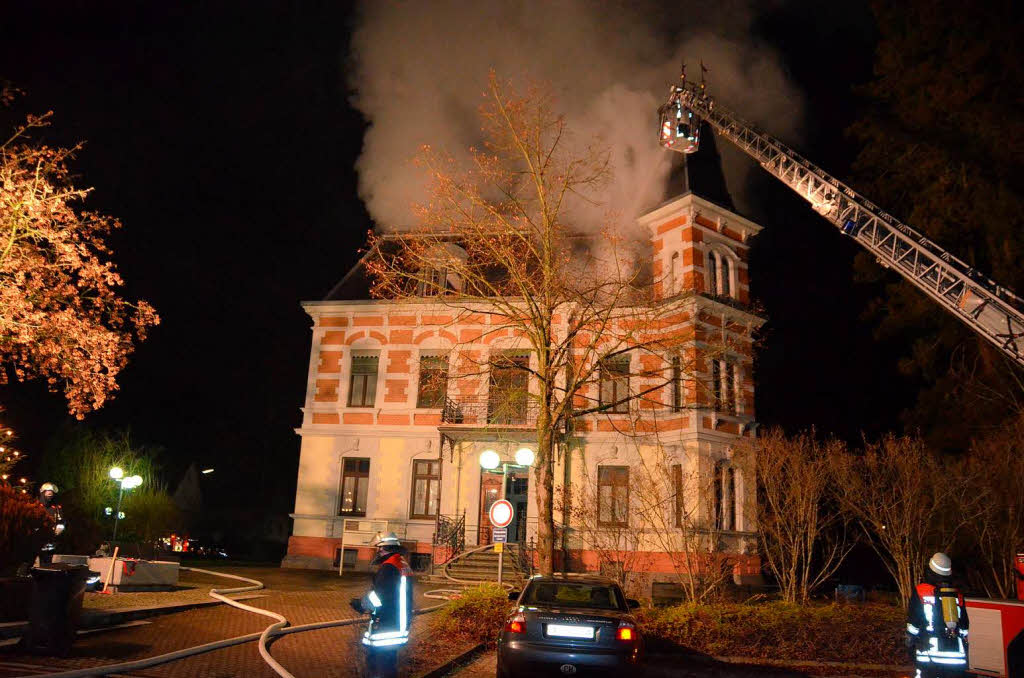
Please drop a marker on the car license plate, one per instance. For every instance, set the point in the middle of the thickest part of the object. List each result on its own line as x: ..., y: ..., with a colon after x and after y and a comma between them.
x: 566, y: 631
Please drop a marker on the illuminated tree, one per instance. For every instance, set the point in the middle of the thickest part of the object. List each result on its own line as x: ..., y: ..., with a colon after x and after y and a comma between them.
x: 61, y: 315
x: 502, y: 243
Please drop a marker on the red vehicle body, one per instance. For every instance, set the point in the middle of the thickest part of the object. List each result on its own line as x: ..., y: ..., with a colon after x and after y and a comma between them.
x: 997, y: 633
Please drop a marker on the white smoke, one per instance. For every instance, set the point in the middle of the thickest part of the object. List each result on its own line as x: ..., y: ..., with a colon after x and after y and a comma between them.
x: 420, y: 70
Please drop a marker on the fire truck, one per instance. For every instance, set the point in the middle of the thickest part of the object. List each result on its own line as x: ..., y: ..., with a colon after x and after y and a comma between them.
x: 997, y: 626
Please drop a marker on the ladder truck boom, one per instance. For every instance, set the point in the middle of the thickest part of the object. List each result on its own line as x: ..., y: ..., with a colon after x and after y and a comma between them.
x: 991, y: 310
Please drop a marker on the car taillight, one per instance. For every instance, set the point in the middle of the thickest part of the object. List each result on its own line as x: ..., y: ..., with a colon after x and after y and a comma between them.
x: 626, y: 632
x: 516, y: 624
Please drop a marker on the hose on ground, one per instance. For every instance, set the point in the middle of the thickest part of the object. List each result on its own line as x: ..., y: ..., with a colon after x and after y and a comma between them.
x: 278, y: 628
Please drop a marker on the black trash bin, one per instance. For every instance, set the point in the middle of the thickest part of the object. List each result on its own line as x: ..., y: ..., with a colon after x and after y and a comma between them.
x: 57, y: 592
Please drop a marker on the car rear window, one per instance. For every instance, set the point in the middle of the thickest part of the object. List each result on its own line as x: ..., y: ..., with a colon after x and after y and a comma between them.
x: 571, y: 594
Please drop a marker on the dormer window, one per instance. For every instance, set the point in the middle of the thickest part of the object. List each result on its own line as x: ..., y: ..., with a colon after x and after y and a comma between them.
x: 435, y: 282
x: 439, y: 274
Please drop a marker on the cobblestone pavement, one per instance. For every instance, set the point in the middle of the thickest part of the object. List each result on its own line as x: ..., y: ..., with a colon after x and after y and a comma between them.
x: 301, y: 596
x: 662, y: 667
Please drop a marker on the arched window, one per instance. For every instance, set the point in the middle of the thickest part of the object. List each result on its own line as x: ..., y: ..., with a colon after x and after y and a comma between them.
x: 721, y: 268
x: 724, y: 495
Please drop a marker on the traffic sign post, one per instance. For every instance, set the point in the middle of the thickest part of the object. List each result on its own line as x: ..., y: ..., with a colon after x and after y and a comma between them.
x: 501, y: 514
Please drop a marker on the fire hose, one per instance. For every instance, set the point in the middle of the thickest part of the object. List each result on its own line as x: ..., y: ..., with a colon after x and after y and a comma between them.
x: 278, y: 628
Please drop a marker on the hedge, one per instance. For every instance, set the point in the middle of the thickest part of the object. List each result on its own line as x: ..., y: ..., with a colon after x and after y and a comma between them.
x: 867, y: 634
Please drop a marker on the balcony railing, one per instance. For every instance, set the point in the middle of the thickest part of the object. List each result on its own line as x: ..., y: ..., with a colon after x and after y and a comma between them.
x: 499, y: 412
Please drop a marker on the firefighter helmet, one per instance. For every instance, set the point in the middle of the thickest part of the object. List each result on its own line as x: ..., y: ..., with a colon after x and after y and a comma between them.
x: 389, y: 539
x: 48, y: 486
x: 941, y: 565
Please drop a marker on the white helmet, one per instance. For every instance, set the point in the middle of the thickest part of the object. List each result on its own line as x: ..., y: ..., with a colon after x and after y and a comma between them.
x: 48, y: 486
x: 941, y: 565
x: 389, y: 539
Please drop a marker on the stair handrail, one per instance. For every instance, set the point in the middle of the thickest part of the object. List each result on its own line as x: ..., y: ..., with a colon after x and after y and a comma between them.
x: 462, y: 555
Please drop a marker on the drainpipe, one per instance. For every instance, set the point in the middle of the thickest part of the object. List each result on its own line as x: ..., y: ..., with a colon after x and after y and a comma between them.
x: 566, y: 495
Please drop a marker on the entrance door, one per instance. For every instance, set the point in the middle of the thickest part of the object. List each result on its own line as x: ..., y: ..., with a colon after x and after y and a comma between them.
x: 490, y: 492
x: 517, y: 486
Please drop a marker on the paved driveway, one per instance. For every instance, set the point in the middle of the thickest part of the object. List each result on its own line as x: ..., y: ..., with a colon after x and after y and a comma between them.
x: 301, y: 596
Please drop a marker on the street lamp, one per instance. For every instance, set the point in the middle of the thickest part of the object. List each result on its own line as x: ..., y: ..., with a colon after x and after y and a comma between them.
x: 524, y: 456
x: 129, y: 483
x: 489, y: 460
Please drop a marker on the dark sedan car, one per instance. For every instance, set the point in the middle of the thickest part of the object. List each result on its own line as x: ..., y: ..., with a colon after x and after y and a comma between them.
x: 567, y: 626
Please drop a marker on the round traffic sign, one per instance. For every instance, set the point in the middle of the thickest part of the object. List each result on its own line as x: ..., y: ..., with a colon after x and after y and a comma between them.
x: 501, y: 513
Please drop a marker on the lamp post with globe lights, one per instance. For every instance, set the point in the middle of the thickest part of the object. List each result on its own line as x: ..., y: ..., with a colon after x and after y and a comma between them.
x: 490, y: 460
x: 123, y: 483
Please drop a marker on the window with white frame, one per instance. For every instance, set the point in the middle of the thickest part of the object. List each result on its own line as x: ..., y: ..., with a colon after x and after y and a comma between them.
x: 355, y: 483
x: 362, y: 384
x: 613, y: 496
x: 614, y: 373
x: 426, y: 488
x: 433, y: 381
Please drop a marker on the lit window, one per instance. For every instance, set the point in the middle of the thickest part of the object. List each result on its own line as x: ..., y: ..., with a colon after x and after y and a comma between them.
x: 613, y: 496
x: 355, y: 481
x: 362, y: 387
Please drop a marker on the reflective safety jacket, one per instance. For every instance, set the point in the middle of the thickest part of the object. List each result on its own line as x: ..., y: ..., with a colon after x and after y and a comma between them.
x: 389, y: 603
x: 937, y: 620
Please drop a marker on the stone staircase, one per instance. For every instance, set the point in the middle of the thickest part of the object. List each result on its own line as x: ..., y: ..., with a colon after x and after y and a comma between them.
x: 482, y: 566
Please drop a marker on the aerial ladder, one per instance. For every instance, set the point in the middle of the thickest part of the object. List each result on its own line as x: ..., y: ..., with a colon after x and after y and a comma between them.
x: 991, y: 310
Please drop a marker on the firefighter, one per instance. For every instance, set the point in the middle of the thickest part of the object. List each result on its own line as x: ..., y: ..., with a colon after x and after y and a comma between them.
x: 47, y: 494
x: 389, y: 603
x: 937, y: 623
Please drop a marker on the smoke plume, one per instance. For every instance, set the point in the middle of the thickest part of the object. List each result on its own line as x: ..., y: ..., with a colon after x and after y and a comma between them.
x: 419, y: 70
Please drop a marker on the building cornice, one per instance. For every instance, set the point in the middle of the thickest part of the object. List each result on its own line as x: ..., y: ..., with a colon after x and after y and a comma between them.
x: 694, y: 204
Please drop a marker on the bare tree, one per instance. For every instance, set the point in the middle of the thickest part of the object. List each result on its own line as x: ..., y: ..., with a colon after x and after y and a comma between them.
x: 899, y: 492
x: 499, y: 248
x: 803, y: 538
x: 617, y: 544
x: 994, y: 470
x: 676, y: 500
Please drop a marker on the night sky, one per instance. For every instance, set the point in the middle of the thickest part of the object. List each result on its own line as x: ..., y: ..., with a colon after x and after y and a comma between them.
x: 221, y: 135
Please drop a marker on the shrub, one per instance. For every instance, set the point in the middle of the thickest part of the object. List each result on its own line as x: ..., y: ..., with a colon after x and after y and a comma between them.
x: 22, y: 522
x: 867, y: 634
x: 477, y: 614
